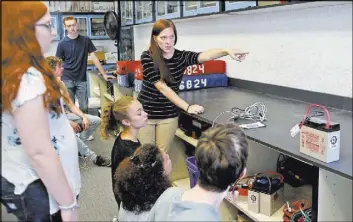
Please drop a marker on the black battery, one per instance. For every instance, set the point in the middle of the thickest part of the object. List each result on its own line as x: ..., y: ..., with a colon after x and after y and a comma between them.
x: 110, y: 88
x: 192, y: 125
x: 319, y: 124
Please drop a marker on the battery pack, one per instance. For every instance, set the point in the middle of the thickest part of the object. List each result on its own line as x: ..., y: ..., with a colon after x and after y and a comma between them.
x: 320, y: 139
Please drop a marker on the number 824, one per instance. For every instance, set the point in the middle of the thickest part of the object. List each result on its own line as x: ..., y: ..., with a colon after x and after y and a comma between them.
x: 193, y: 84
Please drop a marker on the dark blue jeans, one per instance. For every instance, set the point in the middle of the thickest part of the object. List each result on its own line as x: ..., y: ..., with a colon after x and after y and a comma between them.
x: 78, y: 89
x: 32, y: 205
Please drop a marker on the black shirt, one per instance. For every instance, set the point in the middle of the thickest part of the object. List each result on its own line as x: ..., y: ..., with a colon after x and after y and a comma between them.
x: 74, y: 53
x: 154, y: 103
x: 121, y: 150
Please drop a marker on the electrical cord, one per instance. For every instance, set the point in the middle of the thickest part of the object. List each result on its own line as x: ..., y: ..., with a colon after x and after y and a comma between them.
x: 255, y: 112
x: 291, y: 211
x: 110, y: 85
x: 219, y: 116
x: 315, y: 114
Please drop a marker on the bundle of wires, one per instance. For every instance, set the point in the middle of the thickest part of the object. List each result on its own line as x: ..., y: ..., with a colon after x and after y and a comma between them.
x: 295, y: 211
x: 256, y: 112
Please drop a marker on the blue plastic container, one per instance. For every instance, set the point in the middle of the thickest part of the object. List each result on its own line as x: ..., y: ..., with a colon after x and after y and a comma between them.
x: 137, y: 85
x: 192, y: 170
x: 123, y: 80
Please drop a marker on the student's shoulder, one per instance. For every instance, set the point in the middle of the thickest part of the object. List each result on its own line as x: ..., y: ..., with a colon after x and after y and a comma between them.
x: 146, y: 55
x: 171, y: 192
x: 62, y: 42
x: 31, y: 85
x: 86, y: 37
x: 117, y: 140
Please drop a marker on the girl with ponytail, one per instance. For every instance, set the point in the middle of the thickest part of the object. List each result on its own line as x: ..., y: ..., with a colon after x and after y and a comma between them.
x: 122, y: 119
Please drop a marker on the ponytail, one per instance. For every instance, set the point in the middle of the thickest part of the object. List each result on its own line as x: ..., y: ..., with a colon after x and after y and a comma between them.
x: 113, y: 115
x: 109, y: 125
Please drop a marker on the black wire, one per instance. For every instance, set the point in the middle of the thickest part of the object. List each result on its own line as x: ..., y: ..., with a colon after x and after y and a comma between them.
x: 315, y: 114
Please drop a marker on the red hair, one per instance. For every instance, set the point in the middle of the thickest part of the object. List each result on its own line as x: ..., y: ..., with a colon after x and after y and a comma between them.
x: 20, y: 50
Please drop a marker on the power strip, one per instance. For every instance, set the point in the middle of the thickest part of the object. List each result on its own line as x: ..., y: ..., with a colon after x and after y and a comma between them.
x: 252, y: 125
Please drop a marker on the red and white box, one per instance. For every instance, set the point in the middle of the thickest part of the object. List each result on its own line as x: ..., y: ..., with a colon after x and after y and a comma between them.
x: 320, y: 138
x: 209, y: 67
x: 125, y: 67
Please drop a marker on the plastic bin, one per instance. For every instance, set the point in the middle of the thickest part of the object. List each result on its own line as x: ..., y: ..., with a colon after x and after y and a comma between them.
x: 137, y: 85
x: 123, y: 80
x: 192, y: 170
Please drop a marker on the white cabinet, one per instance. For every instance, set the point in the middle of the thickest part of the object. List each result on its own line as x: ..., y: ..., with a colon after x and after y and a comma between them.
x: 143, y: 11
x: 96, y: 27
x: 126, y: 46
x: 167, y: 9
x: 191, y: 8
x: 127, y: 12
x: 82, y: 24
x: 232, y: 5
x: 54, y: 21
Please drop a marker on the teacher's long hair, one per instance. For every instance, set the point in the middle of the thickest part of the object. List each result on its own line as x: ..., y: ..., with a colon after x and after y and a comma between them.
x: 156, y: 52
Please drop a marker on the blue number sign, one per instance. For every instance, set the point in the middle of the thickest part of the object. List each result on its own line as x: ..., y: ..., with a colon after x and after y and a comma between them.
x: 203, y: 81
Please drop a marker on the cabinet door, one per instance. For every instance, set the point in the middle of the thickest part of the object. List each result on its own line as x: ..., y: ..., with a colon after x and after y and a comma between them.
x: 200, y: 7
x: 143, y: 11
x: 190, y: 8
x: 167, y: 9
x: 82, y: 24
x: 54, y: 22
x: 102, y: 6
x: 96, y: 27
x: 231, y: 5
x: 126, y: 46
x: 127, y: 10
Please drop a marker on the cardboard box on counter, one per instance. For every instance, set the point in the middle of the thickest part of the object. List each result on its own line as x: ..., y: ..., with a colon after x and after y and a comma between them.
x: 265, y: 203
x: 100, y: 56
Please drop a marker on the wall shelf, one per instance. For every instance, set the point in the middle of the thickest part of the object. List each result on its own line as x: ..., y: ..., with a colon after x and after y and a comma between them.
x: 243, y: 206
x: 179, y: 133
x: 256, y: 9
x: 106, y: 95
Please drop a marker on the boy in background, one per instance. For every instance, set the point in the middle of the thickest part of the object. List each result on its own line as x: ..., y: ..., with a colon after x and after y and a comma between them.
x: 84, y: 124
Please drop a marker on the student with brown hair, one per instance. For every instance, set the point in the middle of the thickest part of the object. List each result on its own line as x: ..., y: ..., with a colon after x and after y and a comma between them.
x: 123, y: 118
x: 163, y: 68
x: 83, y: 124
x: 74, y: 50
x: 40, y: 176
x: 221, y: 157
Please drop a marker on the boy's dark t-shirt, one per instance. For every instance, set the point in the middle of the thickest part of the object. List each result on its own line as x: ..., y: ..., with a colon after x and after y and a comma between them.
x: 121, y: 150
x: 74, y: 53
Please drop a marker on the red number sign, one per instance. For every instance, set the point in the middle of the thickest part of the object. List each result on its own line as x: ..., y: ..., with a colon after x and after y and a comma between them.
x: 209, y: 67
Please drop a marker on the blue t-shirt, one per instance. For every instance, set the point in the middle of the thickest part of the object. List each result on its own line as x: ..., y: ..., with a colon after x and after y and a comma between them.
x: 74, y: 53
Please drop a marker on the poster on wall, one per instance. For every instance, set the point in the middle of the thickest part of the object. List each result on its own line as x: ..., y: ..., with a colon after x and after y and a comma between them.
x: 126, y: 47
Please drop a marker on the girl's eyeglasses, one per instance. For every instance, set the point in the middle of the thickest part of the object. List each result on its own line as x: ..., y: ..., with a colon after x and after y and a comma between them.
x: 48, y: 26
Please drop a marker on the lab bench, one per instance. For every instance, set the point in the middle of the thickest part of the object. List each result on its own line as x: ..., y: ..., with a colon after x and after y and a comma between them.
x: 333, y: 191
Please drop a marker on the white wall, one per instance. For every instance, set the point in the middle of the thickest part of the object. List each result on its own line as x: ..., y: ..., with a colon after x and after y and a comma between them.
x: 304, y: 48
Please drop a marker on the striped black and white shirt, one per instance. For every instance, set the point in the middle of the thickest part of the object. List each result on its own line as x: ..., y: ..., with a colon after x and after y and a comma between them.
x: 155, y: 104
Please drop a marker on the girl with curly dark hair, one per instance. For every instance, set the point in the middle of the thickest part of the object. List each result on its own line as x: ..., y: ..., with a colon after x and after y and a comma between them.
x: 123, y: 118
x: 140, y: 180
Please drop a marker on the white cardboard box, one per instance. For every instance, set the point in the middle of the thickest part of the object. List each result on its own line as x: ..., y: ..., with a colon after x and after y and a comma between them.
x: 320, y: 144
